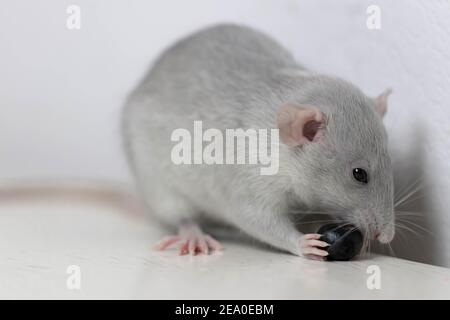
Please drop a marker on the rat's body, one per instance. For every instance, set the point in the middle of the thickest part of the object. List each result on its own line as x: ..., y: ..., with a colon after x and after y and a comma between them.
x: 234, y: 77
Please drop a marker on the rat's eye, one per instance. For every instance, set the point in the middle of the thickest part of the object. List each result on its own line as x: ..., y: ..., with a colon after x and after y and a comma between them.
x: 360, y: 175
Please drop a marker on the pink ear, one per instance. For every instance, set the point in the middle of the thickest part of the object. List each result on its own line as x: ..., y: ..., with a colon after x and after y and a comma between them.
x: 381, y: 102
x: 299, y: 124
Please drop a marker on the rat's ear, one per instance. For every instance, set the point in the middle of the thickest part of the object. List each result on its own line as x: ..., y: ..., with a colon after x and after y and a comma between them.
x: 299, y: 124
x: 381, y: 102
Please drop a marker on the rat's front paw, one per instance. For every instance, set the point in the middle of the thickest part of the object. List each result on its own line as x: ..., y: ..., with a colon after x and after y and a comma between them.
x: 311, y: 247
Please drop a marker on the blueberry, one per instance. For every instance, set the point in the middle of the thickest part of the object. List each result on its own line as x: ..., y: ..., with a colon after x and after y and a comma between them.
x: 345, y: 241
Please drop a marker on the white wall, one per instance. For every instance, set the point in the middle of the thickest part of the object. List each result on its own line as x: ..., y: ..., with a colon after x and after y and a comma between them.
x: 61, y: 91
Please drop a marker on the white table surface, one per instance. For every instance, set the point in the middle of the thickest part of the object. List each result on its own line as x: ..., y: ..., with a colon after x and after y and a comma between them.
x: 40, y: 238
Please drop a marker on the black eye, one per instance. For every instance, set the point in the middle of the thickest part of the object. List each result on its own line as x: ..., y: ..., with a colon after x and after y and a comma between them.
x: 360, y: 175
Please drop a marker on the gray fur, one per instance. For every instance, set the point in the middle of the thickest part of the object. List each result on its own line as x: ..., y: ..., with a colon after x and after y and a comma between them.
x: 235, y: 77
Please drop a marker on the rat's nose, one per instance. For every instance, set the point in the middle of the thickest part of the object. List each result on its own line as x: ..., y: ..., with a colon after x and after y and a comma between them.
x: 387, y: 234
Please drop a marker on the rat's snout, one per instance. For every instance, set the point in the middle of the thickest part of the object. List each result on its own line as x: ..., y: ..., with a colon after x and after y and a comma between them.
x: 377, y: 228
x: 387, y: 233
x: 373, y: 224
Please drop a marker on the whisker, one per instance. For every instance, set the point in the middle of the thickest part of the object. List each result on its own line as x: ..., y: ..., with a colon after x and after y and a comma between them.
x: 411, y: 186
x: 402, y: 237
x: 418, y: 226
x: 408, y: 213
x: 365, y: 250
x: 407, y: 196
x: 411, y: 199
x: 410, y: 230
x: 391, y: 250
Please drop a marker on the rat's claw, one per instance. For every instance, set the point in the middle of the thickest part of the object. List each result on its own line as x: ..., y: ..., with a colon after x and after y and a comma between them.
x: 191, y: 240
x: 192, y: 246
x: 310, y: 247
x: 315, y: 251
x: 318, y: 243
x: 201, y: 243
x: 203, y: 246
x: 312, y: 236
x: 183, y: 249
x: 166, y: 242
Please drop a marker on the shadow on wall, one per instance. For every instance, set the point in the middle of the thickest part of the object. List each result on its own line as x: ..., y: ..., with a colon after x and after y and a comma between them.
x: 415, y: 214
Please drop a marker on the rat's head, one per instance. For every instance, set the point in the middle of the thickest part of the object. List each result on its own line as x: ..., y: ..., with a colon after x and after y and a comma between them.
x: 338, y: 151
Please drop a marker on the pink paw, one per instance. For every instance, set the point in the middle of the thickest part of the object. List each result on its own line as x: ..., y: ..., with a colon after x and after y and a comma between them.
x: 190, y: 240
x: 311, y: 247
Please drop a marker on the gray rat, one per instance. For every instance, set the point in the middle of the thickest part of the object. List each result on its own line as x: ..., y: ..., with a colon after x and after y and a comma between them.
x: 332, y: 149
